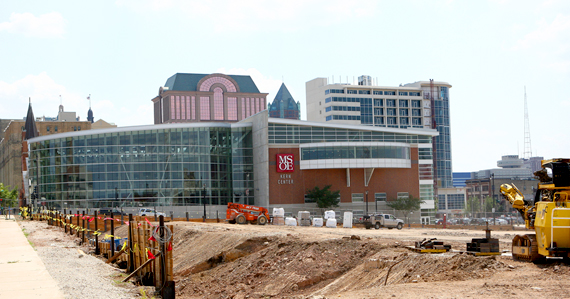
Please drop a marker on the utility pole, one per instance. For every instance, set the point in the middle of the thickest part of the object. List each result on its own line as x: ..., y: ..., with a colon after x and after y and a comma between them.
x: 204, y: 201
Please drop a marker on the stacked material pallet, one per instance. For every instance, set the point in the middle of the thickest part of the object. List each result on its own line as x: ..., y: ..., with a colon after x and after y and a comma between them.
x: 304, y: 218
x: 278, y: 216
x: 483, y: 245
x: 330, y: 219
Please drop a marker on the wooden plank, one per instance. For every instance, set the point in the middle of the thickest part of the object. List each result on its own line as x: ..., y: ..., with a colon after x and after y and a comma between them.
x: 139, y: 268
x: 117, y: 255
x: 139, y: 249
x: 170, y: 261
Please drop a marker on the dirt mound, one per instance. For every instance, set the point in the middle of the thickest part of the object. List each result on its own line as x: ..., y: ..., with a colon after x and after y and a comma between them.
x: 413, y: 268
x: 223, y: 263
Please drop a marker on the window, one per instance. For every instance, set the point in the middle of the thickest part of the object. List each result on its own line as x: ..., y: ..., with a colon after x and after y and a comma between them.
x: 55, y: 128
x: 78, y: 128
x: 378, y: 111
x: 403, y: 195
x: 357, y: 197
x: 416, y: 121
x: 416, y: 112
x: 218, y: 104
x: 416, y: 103
x: 389, y: 93
x: 391, y: 111
x: 232, y: 109
x: 308, y: 199
x: 380, y: 196
x: 403, y: 103
x: 403, y: 93
x: 441, y: 202
x: 378, y: 92
x: 414, y: 94
x: 404, y: 112
x: 47, y: 128
x: 328, y: 109
x: 364, y: 92
x: 352, y: 91
x: 391, y: 103
x: 329, y: 118
x: 327, y: 100
x: 74, y: 128
x: 378, y: 102
x: 334, y: 91
x: 404, y: 121
x: 204, y: 108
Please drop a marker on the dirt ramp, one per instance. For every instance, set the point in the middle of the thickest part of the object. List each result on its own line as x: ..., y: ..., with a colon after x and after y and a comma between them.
x: 277, y: 267
x: 413, y: 268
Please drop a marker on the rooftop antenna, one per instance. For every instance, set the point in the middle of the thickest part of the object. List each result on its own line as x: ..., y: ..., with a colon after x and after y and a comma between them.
x: 527, y: 146
x: 89, y: 98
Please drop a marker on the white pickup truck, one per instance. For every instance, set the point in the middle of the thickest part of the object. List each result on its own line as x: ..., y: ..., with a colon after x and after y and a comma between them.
x: 383, y: 220
x: 150, y: 212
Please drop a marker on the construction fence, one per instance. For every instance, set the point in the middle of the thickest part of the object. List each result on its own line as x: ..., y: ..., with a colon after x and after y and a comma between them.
x: 146, y: 252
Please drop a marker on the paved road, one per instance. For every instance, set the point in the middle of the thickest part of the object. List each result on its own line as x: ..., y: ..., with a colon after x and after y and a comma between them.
x: 22, y: 272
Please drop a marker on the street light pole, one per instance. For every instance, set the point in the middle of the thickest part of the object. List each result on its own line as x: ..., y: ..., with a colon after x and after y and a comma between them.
x: 204, y: 201
x: 366, y: 202
x: 493, y: 195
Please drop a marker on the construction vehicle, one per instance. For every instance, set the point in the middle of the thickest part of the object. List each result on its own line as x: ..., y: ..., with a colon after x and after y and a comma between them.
x: 243, y: 214
x: 548, y: 214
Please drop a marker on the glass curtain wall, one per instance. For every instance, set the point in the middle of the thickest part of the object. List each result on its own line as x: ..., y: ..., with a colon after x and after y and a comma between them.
x: 172, y: 167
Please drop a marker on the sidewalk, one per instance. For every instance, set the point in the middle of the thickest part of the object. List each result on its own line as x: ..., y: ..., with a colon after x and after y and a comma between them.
x: 22, y: 272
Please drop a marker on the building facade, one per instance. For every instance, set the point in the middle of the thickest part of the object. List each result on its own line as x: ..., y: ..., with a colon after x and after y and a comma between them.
x: 284, y: 106
x: 207, y: 98
x: 11, y: 145
x: 419, y: 105
x: 264, y: 161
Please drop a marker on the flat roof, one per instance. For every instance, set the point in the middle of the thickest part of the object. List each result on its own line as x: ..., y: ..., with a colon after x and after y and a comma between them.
x: 140, y: 128
x: 410, y: 131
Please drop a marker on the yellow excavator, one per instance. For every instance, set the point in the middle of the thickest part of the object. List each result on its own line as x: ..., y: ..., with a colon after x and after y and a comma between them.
x: 548, y: 214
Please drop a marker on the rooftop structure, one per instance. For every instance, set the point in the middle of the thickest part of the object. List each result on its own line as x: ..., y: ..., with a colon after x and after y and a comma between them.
x: 207, y: 97
x: 284, y: 106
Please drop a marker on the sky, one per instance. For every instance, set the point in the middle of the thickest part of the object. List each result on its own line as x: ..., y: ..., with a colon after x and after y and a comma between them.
x: 120, y: 52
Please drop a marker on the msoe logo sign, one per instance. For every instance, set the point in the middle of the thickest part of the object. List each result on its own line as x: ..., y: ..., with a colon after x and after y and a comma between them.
x: 285, y: 163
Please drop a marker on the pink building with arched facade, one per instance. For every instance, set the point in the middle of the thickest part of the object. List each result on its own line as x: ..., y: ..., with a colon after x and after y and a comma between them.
x: 210, y: 98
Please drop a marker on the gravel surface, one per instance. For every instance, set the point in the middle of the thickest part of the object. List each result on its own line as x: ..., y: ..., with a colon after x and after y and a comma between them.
x: 79, y: 275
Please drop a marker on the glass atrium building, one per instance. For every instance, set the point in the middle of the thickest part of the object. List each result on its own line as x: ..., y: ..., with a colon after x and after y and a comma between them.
x: 264, y: 161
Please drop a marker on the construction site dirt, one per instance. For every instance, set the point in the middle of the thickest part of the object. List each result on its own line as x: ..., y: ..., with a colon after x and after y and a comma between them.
x: 218, y: 260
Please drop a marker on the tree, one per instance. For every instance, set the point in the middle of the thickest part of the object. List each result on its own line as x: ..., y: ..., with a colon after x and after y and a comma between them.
x: 406, y: 205
x: 9, y: 197
x: 473, y: 206
x: 324, y: 197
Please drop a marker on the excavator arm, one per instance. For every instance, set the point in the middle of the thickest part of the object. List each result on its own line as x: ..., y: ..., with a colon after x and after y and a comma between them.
x: 515, y: 197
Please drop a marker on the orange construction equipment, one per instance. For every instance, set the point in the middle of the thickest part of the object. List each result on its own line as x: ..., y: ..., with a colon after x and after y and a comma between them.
x: 242, y: 214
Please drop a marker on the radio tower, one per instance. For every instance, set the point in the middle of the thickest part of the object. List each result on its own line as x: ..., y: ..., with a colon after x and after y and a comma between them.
x: 527, y: 147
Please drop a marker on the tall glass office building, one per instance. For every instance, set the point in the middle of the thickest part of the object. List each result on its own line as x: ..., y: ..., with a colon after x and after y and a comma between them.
x: 167, y: 165
x: 406, y: 106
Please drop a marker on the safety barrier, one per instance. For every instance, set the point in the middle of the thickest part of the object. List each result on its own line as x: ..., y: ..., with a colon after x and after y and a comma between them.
x: 146, y: 253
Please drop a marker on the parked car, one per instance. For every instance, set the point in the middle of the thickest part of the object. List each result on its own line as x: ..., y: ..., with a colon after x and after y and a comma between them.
x: 383, y: 220
x: 108, y: 211
x: 501, y: 221
x: 150, y: 212
x: 440, y: 221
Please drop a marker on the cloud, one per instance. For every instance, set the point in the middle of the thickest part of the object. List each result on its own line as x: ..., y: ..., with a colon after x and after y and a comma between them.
x: 259, y: 15
x: 45, y: 96
x: 556, y: 31
x: 550, y: 42
x: 49, y: 25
